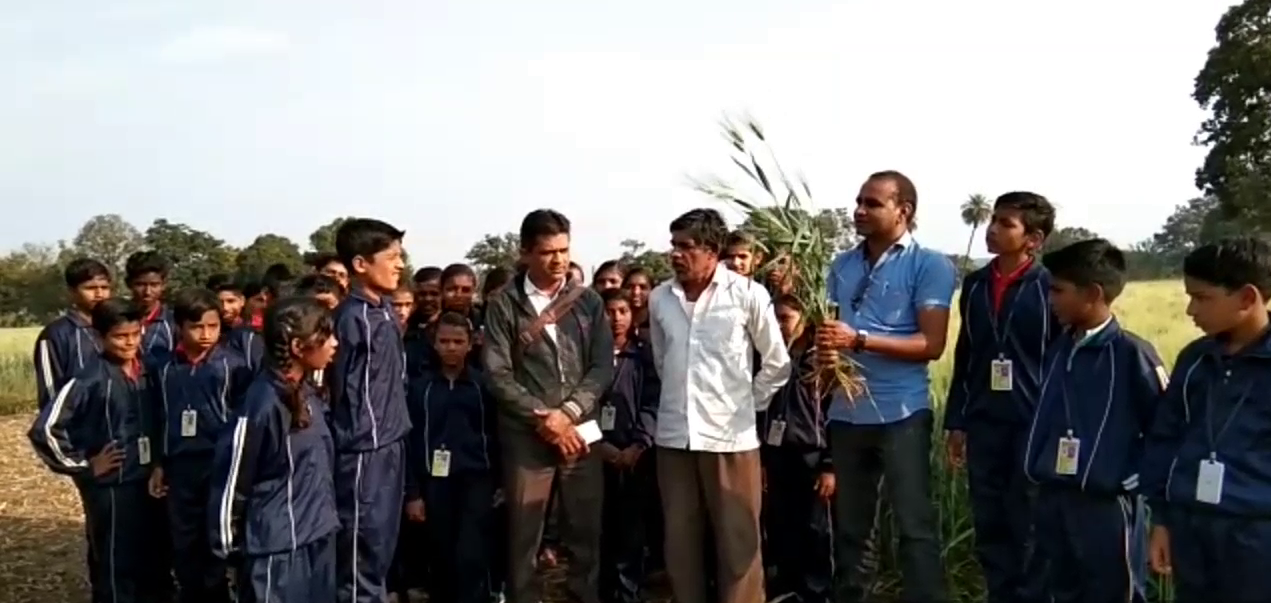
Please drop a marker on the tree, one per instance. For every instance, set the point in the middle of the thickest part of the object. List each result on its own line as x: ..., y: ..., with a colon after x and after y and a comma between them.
x: 1067, y: 236
x: 267, y: 250
x: 657, y: 264
x: 322, y: 239
x: 109, y: 239
x: 195, y: 255
x: 976, y: 210
x: 32, y: 289
x: 1234, y: 85
x: 495, y: 251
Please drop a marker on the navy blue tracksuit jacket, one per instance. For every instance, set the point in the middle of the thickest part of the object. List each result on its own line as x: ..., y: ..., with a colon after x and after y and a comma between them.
x: 196, y: 402
x: 272, y: 499
x: 1021, y: 331
x: 369, y: 422
x: 99, y: 406
x: 796, y: 519
x: 159, y: 336
x: 1101, y: 392
x: 65, y: 347
x: 630, y: 494
x: 1217, y: 408
x: 454, y: 418
x: 247, y: 342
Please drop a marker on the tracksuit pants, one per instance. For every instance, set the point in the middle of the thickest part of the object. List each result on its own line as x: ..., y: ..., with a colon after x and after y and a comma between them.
x: 126, y: 549
x: 460, y: 516
x: 800, y: 541
x: 622, y: 549
x: 201, y: 576
x: 305, y: 575
x: 1220, y: 557
x: 1094, y: 546
x: 1001, y: 511
x: 369, y: 495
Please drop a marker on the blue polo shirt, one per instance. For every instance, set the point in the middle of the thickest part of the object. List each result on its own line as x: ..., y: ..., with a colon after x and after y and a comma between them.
x: 885, y: 301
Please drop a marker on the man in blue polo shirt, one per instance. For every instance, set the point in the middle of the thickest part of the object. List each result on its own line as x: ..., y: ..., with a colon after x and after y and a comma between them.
x: 893, y: 297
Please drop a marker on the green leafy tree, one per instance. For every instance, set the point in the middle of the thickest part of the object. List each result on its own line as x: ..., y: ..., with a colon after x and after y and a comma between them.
x: 109, y: 239
x: 322, y: 239
x: 1234, y: 86
x: 265, y: 251
x: 32, y: 290
x: 495, y: 251
x: 1066, y: 236
x: 976, y: 211
x: 657, y: 263
x: 195, y: 255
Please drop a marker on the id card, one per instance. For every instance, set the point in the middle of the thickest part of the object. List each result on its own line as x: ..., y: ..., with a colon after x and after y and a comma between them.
x: 1069, y: 454
x: 608, y: 417
x: 189, y: 423
x: 1209, y: 481
x: 776, y: 433
x: 1002, y: 377
x: 441, y: 463
x: 143, y: 450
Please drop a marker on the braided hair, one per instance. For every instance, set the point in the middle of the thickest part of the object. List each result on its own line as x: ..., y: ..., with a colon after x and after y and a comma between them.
x: 307, y: 320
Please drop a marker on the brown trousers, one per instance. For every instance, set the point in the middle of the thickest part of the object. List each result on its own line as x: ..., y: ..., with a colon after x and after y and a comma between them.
x: 726, y: 490
x: 529, y: 468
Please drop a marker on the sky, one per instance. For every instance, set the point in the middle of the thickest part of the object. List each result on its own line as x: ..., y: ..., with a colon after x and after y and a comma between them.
x: 454, y: 118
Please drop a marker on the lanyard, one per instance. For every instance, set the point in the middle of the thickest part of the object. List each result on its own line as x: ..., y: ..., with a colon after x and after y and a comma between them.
x: 1209, y: 415
x: 1063, y: 388
x: 867, y: 279
x: 1000, y: 330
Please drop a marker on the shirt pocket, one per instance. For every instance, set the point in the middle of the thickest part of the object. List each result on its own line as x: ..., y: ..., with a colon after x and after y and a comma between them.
x: 895, y: 303
x: 723, y: 330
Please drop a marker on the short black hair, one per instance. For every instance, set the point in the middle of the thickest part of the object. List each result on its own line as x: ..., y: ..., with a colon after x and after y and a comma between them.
x: 254, y: 287
x: 190, y: 305
x: 494, y: 279
x: 454, y: 319
x: 145, y: 262
x: 1232, y: 263
x: 222, y: 282
x: 607, y: 266
x: 364, y: 237
x: 740, y: 238
x: 611, y: 295
x: 1036, y: 212
x: 279, y: 272
x: 113, y: 312
x: 323, y: 258
x: 318, y: 284
x: 705, y: 226
x: 789, y: 301
x: 426, y: 274
x: 82, y: 270
x: 906, y: 192
x: 1088, y: 263
x: 454, y: 271
x: 542, y: 223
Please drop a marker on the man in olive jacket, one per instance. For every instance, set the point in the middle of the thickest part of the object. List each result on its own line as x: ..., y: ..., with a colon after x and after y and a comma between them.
x: 549, y: 356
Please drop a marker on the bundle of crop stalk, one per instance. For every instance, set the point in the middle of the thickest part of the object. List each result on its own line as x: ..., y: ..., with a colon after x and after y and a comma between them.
x: 796, y: 247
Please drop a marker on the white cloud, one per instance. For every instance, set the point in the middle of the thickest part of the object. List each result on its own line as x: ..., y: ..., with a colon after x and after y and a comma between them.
x: 209, y: 44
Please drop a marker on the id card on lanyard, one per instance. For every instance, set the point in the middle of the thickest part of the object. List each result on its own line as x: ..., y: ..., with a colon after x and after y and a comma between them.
x: 1001, y: 370
x: 1212, y: 472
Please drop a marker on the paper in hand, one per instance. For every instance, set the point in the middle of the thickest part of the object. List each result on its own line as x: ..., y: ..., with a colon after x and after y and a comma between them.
x: 590, y: 432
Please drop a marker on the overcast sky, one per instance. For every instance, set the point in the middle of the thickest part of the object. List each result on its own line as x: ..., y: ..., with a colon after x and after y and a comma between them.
x: 453, y: 118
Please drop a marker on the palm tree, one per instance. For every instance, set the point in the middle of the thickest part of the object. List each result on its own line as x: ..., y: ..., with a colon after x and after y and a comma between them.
x: 976, y: 210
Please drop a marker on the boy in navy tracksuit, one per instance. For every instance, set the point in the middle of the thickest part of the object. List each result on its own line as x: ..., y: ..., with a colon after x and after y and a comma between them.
x: 229, y: 295
x: 198, y: 389
x: 628, y: 413
x: 452, y: 477
x: 1006, y: 327
x: 272, y: 501
x: 147, y: 278
x: 368, y: 413
x: 100, y: 430
x: 1085, y: 445
x: 799, y: 474
x: 69, y: 343
x: 1207, y: 473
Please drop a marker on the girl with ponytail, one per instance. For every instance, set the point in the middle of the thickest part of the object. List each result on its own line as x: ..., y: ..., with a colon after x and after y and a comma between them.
x: 273, y: 497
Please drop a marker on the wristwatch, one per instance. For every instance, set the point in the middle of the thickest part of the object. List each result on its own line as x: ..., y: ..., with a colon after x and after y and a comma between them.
x: 858, y: 344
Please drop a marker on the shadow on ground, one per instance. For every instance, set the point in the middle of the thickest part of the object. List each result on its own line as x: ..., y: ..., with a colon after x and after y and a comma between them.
x: 41, y: 561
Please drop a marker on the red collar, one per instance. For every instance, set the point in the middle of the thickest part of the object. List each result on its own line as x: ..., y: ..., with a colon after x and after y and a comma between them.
x: 132, y: 370
x: 1001, y: 282
x: 153, y: 315
x: 258, y: 320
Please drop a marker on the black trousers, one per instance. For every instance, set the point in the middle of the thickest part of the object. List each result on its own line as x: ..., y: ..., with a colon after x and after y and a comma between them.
x: 626, y: 530
x: 797, y: 524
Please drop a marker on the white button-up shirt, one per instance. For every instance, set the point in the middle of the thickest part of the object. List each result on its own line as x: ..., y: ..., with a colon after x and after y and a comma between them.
x: 703, y: 352
x: 539, y: 300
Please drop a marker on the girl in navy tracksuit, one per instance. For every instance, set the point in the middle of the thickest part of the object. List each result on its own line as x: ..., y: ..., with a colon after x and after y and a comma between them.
x: 452, y: 477
x: 273, y: 497
x: 198, y: 389
x: 628, y: 414
x: 100, y: 430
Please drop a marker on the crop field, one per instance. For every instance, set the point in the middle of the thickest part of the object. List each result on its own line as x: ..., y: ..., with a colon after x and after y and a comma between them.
x: 41, y: 526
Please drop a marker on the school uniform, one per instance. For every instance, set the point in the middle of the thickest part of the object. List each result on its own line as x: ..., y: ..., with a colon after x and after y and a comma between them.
x: 452, y: 468
x: 158, y: 332
x: 421, y: 354
x: 795, y: 454
x: 247, y: 342
x: 1085, y: 449
x: 197, y: 400
x: 1207, y: 472
x: 369, y: 422
x: 628, y: 417
x: 1007, y: 327
x: 100, y: 405
x: 64, y: 347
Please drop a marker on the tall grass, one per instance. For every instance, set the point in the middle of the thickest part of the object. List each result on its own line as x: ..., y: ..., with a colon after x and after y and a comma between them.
x: 17, y: 375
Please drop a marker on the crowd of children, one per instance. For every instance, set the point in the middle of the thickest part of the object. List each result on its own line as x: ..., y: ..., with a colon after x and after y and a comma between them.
x: 331, y: 438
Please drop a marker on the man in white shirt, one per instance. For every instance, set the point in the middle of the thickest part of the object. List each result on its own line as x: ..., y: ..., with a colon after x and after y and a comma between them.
x: 705, y: 325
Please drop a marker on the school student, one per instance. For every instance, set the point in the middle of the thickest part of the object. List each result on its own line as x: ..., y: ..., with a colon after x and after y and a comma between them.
x: 495, y: 280
x: 427, y: 286
x: 1006, y: 328
x: 69, y: 343
x: 259, y: 296
x: 198, y: 389
x: 628, y: 413
x: 459, y: 290
x: 638, y: 283
x: 101, y: 431
x: 453, y: 474
x: 321, y: 287
x: 272, y: 501
x: 607, y: 276
x: 576, y: 275
x: 742, y: 254
x: 403, y: 306
x: 800, y: 474
x: 1207, y: 471
x: 1085, y: 444
x: 147, y: 278
x: 329, y: 265
x: 368, y: 412
x: 229, y: 295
